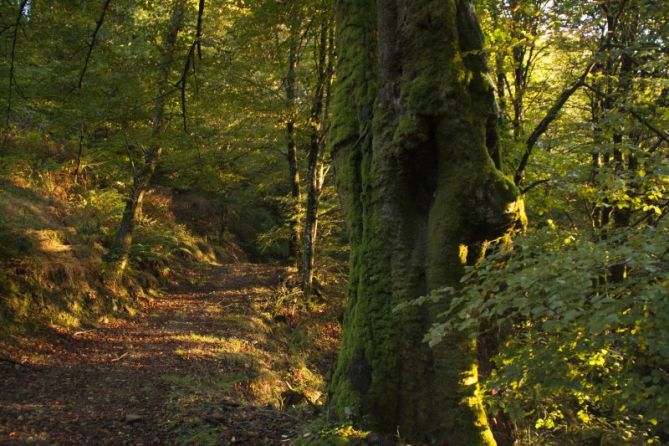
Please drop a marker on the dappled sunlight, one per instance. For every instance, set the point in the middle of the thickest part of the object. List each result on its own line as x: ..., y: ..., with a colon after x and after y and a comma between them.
x: 49, y: 241
x: 174, y: 364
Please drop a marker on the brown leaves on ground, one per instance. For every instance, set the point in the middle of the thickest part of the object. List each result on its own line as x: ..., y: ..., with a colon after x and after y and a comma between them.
x: 203, y: 365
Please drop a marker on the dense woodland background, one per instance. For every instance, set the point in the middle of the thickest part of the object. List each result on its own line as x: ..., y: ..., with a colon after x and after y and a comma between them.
x: 141, y: 140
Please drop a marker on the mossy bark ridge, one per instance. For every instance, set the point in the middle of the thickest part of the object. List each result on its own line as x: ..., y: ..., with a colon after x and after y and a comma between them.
x: 416, y: 153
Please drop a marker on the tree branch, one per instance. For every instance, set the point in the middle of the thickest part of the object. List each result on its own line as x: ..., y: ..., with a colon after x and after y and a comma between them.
x: 198, y: 32
x: 98, y: 25
x: 190, y: 63
x: 533, y: 185
x: 12, y: 57
x: 181, y: 83
x: 551, y: 116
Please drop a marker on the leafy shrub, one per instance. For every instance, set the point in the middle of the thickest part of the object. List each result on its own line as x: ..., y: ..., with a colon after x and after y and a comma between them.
x: 587, y: 355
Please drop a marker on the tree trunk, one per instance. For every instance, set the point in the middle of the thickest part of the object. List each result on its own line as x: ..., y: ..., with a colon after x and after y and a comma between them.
x: 142, y: 177
x: 80, y: 153
x: 410, y: 131
x: 315, y: 163
x: 291, y: 150
x: 133, y: 207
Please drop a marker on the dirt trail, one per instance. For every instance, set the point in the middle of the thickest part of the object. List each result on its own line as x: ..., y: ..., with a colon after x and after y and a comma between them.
x: 115, y: 384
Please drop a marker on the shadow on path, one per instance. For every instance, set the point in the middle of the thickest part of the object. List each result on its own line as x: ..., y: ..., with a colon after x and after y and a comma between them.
x: 115, y: 384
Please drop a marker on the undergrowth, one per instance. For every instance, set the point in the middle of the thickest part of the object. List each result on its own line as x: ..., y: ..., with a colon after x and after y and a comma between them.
x: 55, y: 231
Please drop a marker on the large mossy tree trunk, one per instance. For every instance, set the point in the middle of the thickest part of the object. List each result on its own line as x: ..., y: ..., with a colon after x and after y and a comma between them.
x: 413, y: 138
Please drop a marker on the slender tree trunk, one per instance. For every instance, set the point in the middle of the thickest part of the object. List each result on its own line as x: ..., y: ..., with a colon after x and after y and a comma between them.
x: 602, y: 105
x: 142, y: 177
x: 501, y: 76
x: 420, y: 190
x: 315, y: 178
x: 597, y: 159
x: 80, y: 153
x: 12, y: 60
x: 291, y: 149
x: 624, y: 162
x: 519, y: 89
x: 520, y: 67
x: 315, y: 162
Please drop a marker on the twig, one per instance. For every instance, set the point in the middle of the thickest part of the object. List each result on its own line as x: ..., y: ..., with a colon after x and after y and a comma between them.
x: 120, y: 357
x: 663, y: 136
x: 232, y: 304
x: 533, y: 185
x: 77, y: 333
x: 649, y: 215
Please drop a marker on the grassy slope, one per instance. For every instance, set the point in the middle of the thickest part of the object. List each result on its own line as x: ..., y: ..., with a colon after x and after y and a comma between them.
x: 52, y: 247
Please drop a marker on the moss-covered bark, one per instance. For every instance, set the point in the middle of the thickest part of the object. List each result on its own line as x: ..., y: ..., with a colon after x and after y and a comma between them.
x: 413, y: 134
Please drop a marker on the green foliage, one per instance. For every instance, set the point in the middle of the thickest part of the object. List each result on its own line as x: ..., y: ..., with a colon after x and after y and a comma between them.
x: 574, y: 313
x: 589, y: 352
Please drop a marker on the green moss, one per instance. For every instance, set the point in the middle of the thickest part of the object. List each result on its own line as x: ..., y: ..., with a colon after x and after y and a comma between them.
x: 356, y: 61
x: 321, y: 433
x: 418, y: 187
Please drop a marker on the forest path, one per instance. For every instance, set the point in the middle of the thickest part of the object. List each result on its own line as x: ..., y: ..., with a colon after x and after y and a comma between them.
x: 189, y: 370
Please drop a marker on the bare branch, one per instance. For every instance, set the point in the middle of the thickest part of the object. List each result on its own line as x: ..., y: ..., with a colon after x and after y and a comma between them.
x: 190, y: 63
x: 181, y: 83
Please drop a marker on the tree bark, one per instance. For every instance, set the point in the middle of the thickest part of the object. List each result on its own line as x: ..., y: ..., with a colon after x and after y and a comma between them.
x: 120, y: 250
x: 80, y: 153
x: 410, y: 135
